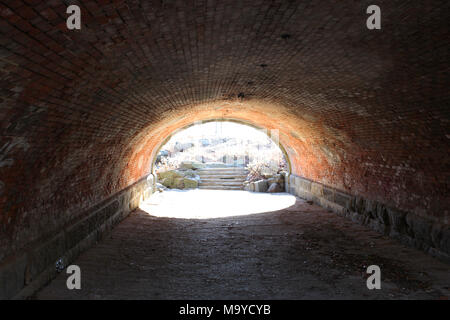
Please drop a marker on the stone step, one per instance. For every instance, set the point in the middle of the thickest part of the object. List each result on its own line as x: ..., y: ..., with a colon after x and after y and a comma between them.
x: 228, y: 178
x: 221, y: 169
x: 220, y: 187
x: 222, y: 175
x: 222, y: 172
x: 222, y: 179
x: 220, y: 183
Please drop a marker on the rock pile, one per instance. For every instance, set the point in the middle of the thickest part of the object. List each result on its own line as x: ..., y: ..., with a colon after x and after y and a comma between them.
x: 183, y: 178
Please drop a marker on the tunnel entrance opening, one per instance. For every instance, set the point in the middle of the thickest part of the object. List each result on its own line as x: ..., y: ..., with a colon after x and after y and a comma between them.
x: 221, y: 155
x: 219, y: 168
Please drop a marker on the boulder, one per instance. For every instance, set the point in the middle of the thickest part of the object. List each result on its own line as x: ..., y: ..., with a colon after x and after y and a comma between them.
x: 179, y: 179
x: 178, y: 183
x: 188, y: 173
x: 279, y: 178
x: 190, y: 183
x: 180, y: 147
x: 168, y: 178
x: 275, y: 187
x: 192, y: 165
x: 276, y: 178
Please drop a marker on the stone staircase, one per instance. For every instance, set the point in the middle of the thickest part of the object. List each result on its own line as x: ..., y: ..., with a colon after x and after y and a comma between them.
x: 231, y: 178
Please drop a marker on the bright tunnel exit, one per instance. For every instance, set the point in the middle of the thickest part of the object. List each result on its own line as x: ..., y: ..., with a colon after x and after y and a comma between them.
x: 221, y: 155
x: 232, y: 143
x: 219, y: 169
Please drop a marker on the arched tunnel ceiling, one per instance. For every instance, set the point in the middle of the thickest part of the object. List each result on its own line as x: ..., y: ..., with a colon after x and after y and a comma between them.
x: 81, y: 111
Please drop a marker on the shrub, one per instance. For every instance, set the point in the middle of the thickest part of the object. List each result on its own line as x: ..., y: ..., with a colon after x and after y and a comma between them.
x: 166, y: 164
x: 264, y: 168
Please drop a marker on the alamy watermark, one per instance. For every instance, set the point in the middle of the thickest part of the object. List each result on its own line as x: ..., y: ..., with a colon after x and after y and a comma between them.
x: 74, y: 280
x: 73, y: 22
x: 373, y: 22
x: 374, y: 281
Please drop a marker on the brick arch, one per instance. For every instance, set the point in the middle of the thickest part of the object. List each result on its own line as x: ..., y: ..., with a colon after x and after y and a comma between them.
x: 254, y: 113
x: 362, y: 111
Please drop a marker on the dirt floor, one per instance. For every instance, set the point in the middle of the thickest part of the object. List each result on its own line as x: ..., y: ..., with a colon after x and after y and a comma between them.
x: 300, y: 252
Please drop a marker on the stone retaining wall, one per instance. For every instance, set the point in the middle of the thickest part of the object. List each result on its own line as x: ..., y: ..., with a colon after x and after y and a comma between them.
x: 411, y: 229
x: 263, y: 185
x: 25, y: 273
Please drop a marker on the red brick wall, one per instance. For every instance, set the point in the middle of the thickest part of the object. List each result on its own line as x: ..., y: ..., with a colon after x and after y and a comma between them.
x: 82, y: 111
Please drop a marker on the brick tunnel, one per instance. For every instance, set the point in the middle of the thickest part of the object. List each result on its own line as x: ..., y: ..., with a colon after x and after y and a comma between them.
x: 362, y: 114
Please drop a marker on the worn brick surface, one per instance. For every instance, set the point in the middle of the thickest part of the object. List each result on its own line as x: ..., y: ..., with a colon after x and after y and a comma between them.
x: 82, y: 112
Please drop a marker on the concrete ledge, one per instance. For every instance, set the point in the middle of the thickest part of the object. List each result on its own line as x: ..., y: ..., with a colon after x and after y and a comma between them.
x: 409, y: 228
x: 261, y: 186
x: 26, y: 272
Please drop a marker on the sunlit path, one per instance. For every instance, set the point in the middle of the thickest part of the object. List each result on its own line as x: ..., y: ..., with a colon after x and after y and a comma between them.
x: 204, y: 204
